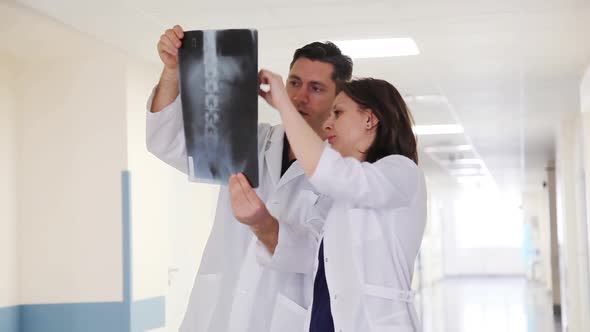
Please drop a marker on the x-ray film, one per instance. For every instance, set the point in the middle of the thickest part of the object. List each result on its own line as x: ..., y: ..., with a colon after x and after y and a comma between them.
x: 219, y: 95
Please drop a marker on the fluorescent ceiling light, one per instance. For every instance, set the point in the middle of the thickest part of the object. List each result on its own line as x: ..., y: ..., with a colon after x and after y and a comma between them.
x: 467, y: 172
x: 378, y: 48
x: 463, y: 161
x: 438, y: 129
x: 426, y: 99
x: 447, y: 148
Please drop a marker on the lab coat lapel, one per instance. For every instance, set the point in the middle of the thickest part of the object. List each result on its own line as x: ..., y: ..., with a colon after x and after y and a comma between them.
x: 292, y: 173
x: 273, y: 154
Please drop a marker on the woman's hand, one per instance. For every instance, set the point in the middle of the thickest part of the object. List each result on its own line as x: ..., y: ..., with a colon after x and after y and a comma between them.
x: 305, y: 143
x: 276, y: 96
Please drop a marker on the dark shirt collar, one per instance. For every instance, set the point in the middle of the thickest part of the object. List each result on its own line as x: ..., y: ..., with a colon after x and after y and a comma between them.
x: 286, y: 163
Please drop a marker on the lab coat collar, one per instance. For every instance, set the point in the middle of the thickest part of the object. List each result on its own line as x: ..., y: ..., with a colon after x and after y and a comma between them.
x: 274, y: 158
x: 292, y: 173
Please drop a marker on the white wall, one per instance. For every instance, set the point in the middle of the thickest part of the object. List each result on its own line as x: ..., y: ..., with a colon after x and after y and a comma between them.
x: 585, y: 108
x: 585, y: 91
x: 72, y: 151
x: 582, y: 229
x: 571, y: 215
x: 536, y: 208
x: 8, y: 174
x: 583, y: 250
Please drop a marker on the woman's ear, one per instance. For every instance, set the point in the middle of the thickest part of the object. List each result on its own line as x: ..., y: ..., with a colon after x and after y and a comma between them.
x: 371, y: 120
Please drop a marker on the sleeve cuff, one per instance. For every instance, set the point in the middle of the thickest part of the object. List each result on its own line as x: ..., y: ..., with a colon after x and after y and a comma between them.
x: 263, y: 256
x: 164, y: 112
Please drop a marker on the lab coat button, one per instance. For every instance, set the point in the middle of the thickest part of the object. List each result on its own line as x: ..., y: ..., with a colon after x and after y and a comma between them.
x: 326, y: 260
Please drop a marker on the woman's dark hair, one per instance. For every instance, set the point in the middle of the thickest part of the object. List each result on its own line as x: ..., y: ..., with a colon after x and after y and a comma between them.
x: 329, y: 53
x: 394, y: 130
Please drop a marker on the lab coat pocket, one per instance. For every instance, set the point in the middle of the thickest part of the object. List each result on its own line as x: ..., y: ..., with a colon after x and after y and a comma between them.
x: 387, y: 308
x: 288, y: 316
x: 203, y: 301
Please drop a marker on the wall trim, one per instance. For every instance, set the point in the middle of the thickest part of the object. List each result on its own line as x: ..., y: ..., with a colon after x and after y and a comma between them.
x: 125, y: 316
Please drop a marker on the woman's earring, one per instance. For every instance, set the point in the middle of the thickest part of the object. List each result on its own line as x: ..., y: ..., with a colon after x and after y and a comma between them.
x: 368, y: 126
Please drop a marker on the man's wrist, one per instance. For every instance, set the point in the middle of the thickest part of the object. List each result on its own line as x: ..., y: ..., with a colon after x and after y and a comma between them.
x: 267, y: 232
x: 169, y: 74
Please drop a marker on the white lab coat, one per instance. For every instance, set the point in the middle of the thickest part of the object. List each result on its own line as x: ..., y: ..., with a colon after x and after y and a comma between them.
x: 233, y: 291
x: 371, y: 238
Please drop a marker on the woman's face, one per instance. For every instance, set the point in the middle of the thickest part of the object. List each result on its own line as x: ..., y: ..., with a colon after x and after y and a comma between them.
x: 349, y: 129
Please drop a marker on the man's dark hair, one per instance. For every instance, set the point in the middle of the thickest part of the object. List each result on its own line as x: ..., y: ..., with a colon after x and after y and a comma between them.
x: 327, y: 52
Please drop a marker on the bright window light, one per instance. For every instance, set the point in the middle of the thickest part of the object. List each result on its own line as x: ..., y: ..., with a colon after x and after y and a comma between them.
x: 438, y: 129
x: 378, y: 48
x: 484, y: 218
x: 476, y: 181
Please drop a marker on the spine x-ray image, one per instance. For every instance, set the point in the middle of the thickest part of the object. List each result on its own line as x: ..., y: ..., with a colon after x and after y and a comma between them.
x: 219, y: 95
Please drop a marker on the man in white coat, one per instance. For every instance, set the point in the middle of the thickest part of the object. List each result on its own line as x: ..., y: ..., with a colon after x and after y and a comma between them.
x: 237, y: 288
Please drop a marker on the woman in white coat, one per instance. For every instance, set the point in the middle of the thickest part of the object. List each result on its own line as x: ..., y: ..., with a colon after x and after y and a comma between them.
x: 373, y: 231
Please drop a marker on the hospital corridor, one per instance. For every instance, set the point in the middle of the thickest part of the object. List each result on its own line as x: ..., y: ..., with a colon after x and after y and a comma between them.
x: 100, y: 233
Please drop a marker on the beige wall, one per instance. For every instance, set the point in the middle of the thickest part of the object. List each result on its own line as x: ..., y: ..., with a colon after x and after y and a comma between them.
x: 72, y: 151
x: 8, y: 176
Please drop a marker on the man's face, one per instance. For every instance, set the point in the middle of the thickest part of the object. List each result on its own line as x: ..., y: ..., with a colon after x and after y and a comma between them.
x: 312, y: 91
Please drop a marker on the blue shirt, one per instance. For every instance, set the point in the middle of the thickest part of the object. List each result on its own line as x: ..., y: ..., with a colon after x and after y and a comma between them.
x: 321, y: 315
